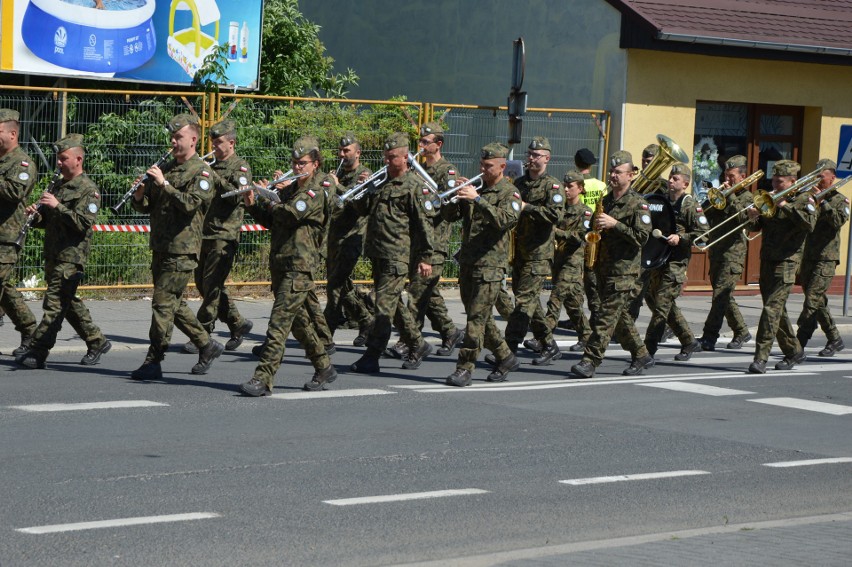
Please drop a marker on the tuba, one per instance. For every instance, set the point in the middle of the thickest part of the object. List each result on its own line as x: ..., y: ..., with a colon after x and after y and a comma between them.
x: 669, y: 154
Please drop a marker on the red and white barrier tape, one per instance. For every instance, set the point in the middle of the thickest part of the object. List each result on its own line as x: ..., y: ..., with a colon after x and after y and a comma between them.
x: 146, y: 228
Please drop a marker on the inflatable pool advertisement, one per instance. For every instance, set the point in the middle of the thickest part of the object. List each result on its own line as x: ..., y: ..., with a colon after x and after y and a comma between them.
x: 156, y: 41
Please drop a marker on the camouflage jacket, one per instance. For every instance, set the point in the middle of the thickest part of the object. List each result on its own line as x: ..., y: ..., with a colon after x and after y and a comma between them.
x: 691, y: 223
x: 68, y: 226
x: 570, y: 236
x: 823, y: 244
x: 620, y: 248
x: 345, y: 221
x: 784, y: 234
x: 398, y: 224
x: 297, y: 226
x: 545, y: 204
x: 486, y: 223
x: 444, y: 174
x: 17, y: 177
x: 177, y: 210
x: 224, y: 218
x: 732, y: 248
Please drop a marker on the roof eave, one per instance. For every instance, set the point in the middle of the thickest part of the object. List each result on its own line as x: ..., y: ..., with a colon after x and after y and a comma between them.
x: 750, y: 44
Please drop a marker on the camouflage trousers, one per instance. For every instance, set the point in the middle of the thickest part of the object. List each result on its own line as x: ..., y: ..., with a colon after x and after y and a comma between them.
x: 341, y: 297
x: 640, y: 294
x: 478, y: 288
x: 613, y: 319
x: 389, y: 281
x: 60, y: 303
x: 816, y: 278
x: 425, y: 300
x: 314, y: 316
x: 12, y: 302
x: 214, y: 266
x: 504, y: 304
x: 568, y: 291
x: 171, y: 274
x: 590, y: 286
x: 776, y: 281
x: 724, y: 276
x: 664, y: 287
x: 288, y: 314
x: 527, y: 283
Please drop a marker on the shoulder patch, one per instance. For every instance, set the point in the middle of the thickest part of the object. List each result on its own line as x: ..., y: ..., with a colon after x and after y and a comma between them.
x: 557, y: 198
x: 588, y: 213
x: 97, y: 195
x: 205, y: 173
x: 311, y: 194
x: 23, y: 176
x: 427, y: 205
x: 646, y: 219
x: 25, y: 163
x: 243, y: 180
x: 811, y: 207
x: 425, y: 190
x: 326, y: 184
x: 702, y: 220
x: 243, y: 168
x: 93, y: 208
x: 555, y: 186
x: 644, y: 206
x: 451, y: 172
x: 204, y: 184
x: 516, y: 195
x: 516, y: 206
x: 586, y: 223
x: 698, y: 209
x: 301, y: 206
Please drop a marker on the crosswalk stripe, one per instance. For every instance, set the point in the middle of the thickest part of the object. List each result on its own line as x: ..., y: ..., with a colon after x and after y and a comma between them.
x: 121, y: 522
x: 90, y: 406
x: 625, y: 477
x: 697, y: 389
x: 807, y: 405
x: 809, y: 462
x: 403, y: 497
x: 354, y: 392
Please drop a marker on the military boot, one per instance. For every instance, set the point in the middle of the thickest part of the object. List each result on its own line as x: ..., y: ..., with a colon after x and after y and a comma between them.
x: 399, y: 350
x: 788, y: 362
x: 189, y: 348
x: 415, y: 357
x: 363, y: 333
x: 686, y: 352
x: 707, y: 344
x: 459, y: 378
x: 367, y: 364
x: 501, y: 371
x: 450, y: 342
x: 548, y: 355
x: 93, y: 354
x: 579, y: 346
x: 26, y: 341
x: 739, y: 340
x: 238, y: 336
x: 638, y: 365
x: 32, y: 359
x: 150, y: 370
x: 832, y: 347
x: 206, y: 357
x: 256, y: 388
x: 320, y: 379
x: 534, y: 345
x: 757, y: 367
x: 583, y: 369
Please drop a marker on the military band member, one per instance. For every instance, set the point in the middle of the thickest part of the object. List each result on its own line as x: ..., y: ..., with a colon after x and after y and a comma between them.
x: 727, y: 261
x: 784, y: 237
x: 819, y: 262
x: 487, y: 217
x: 67, y: 216
x: 544, y: 205
x: 625, y: 225
x: 221, y: 237
x: 17, y: 177
x: 297, y: 226
x: 569, y: 261
x: 666, y: 282
x: 345, y: 246
x: 399, y: 234
x: 176, y: 197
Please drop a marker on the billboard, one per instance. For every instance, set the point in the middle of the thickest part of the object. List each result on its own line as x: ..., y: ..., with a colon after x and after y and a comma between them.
x: 156, y: 41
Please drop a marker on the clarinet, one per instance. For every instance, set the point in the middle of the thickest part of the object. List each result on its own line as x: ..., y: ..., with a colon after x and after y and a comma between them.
x: 25, y: 228
x: 117, y: 208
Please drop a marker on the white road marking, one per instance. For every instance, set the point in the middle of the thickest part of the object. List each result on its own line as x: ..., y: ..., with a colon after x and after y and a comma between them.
x: 118, y: 523
x: 807, y: 405
x: 331, y: 394
x: 90, y: 406
x: 623, y: 477
x: 809, y: 462
x: 697, y: 389
x: 401, y: 497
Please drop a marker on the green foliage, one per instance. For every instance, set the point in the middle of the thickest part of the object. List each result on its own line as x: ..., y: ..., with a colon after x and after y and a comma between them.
x: 213, y: 71
x: 293, y: 60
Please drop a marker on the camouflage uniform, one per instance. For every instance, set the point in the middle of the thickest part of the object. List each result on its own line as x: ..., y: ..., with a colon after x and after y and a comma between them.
x: 17, y: 177
x: 483, y: 260
x: 568, y: 269
x: 819, y: 262
x: 68, y: 232
x: 313, y: 311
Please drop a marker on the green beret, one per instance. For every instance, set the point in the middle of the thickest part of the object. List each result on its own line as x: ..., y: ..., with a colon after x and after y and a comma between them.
x: 572, y: 176
x: 650, y: 150
x: 7, y: 114
x: 681, y: 169
x: 736, y: 161
x: 826, y: 164
x: 431, y: 128
x: 493, y: 151
x: 786, y: 168
x: 222, y: 128
x: 304, y: 146
x: 180, y: 121
x: 68, y: 142
x: 396, y: 140
x: 620, y: 158
x: 348, y: 139
x: 540, y: 143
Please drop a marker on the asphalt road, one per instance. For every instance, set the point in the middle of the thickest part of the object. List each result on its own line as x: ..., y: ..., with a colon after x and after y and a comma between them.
x: 536, y: 471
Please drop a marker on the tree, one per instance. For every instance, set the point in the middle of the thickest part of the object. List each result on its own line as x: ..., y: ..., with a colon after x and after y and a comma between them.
x: 293, y: 59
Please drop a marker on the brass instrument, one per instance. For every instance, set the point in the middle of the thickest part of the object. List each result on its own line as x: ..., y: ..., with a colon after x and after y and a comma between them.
x: 819, y: 197
x: 449, y: 196
x: 669, y: 154
x: 593, y: 237
x: 256, y: 188
x: 368, y: 185
x: 418, y: 169
x: 718, y: 198
x: 126, y: 197
x: 339, y: 167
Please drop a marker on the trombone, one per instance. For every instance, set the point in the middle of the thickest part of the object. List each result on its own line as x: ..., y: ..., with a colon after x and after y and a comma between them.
x: 718, y: 198
x: 819, y: 197
x: 255, y: 187
x: 449, y: 196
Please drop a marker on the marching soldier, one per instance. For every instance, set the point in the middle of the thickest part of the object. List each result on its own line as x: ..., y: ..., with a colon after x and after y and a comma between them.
x: 727, y: 259
x: 17, y: 177
x: 297, y: 226
x: 67, y: 216
x: 784, y: 237
x: 625, y: 226
x: 819, y: 261
x: 487, y: 217
x: 176, y: 198
x: 221, y: 237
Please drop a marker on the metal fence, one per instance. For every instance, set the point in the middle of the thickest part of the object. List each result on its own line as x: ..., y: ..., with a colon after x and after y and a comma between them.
x: 125, y: 134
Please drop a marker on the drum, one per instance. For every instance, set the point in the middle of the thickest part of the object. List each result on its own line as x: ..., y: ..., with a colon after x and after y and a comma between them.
x: 656, y: 251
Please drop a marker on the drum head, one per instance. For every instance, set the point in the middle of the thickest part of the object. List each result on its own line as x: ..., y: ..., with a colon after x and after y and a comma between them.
x: 656, y: 251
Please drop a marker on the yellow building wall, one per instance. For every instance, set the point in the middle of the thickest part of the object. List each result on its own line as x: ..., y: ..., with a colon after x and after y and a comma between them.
x: 663, y: 88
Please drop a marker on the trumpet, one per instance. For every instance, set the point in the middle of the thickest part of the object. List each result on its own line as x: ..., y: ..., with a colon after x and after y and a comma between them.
x: 368, y: 185
x: 25, y: 228
x: 819, y: 197
x: 255, y: 187
x: 718, y: 198
x: 449, y: 196
x: 126, y: 197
